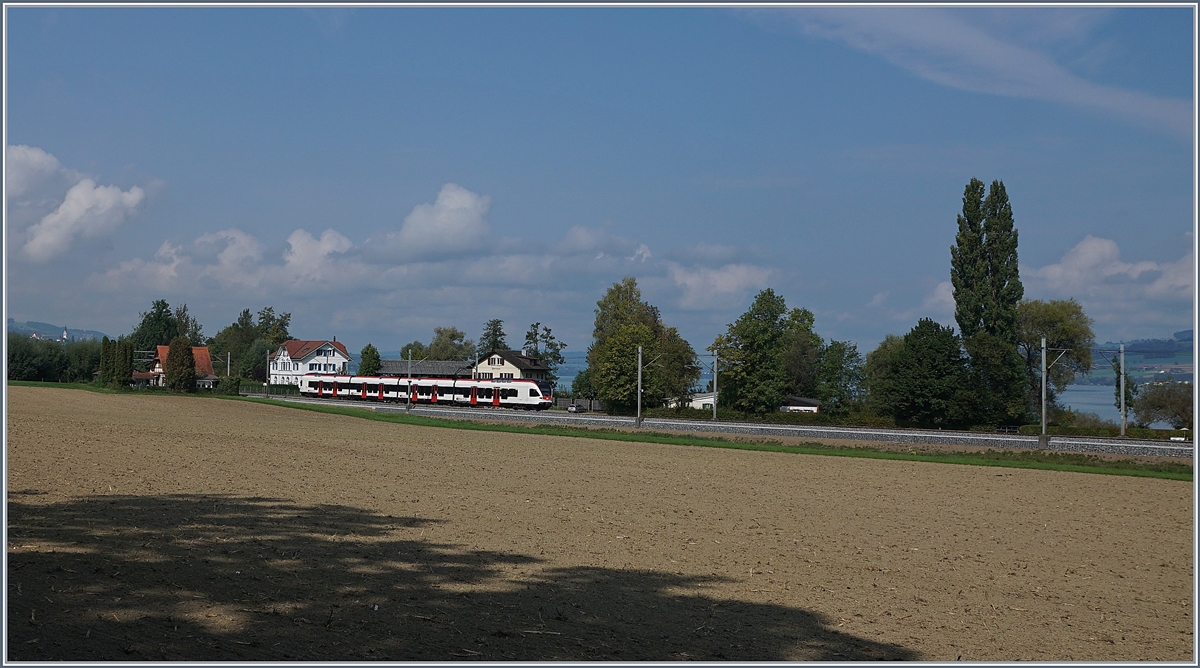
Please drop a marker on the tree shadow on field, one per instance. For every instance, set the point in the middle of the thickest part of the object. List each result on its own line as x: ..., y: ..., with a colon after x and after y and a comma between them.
x: 220, y: 578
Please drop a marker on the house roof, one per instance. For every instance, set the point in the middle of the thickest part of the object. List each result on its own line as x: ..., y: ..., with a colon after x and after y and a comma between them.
x: 300, y: 348
x: 425, y: 368
x: 199, y: 354
x: 517, y: 359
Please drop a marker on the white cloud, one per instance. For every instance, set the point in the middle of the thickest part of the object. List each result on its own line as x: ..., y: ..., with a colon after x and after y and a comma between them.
x: 961, y: 49
x: 88, y: 210
x: 25, y: 167
x: 938, y: 305
x: 454, y: 224
x: 1093, y: 269
x: 597, y: 242
x: 878, y: 299
x: 704, y: 288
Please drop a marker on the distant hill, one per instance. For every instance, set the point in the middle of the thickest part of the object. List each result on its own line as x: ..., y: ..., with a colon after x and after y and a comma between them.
x: 46, y: 330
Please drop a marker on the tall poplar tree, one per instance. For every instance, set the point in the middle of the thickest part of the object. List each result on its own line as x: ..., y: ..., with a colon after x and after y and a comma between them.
x: 106, y: 362
x: 987, y: 289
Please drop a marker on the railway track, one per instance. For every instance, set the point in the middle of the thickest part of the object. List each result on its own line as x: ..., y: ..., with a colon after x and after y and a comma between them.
x: 1118, y: 446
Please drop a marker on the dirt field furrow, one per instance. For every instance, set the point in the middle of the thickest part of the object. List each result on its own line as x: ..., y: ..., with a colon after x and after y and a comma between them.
x: 163, y: 528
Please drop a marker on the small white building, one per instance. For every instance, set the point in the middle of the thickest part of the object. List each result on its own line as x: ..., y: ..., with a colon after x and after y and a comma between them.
x: 700, y: 401
x: 295, y: 358
x: 800, y: 405
x: 512, y: 364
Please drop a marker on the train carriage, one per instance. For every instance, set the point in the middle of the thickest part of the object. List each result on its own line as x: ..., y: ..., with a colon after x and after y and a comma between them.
x: 504, y: 393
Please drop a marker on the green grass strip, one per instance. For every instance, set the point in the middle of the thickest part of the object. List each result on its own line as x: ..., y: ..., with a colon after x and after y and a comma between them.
x: 1023, y: 459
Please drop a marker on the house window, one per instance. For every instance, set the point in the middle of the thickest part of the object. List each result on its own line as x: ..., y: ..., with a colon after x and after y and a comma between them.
x: 506, y: 375
x: 495, y: 361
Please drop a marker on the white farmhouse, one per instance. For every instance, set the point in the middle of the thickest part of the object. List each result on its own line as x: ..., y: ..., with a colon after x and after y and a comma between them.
x: 511, y: 364
x: 296, y: 358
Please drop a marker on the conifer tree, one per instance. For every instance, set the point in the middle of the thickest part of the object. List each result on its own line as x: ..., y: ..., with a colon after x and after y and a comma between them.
x: 180, y: 368
x: 369, y: 361
x: 106, y: 360
x: 493, y: 337
x: 987, y: 289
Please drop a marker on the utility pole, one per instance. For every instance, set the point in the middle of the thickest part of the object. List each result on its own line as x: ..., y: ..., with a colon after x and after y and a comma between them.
x: 408, y: 399
x: 267, y: 380
x: 1122, y: 389
x: 639, y: 397
x: 1043, y: 386
x: 714, y: 387
x: 227, y: 354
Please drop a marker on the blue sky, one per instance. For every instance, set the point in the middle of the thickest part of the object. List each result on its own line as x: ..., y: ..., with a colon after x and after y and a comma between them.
x: 381, y: 171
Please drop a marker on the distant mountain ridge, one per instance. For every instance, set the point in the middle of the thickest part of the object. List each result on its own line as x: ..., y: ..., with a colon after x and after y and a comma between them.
x: 46, y: 330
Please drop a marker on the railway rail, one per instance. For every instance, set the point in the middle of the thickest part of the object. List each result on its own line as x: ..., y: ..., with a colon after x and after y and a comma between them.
x: 1117, y: 446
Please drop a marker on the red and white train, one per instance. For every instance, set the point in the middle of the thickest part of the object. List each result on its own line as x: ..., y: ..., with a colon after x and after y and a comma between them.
x: 508, y: 393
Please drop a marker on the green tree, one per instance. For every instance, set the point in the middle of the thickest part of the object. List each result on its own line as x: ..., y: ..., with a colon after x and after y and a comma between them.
x: 82, y: 360
x: 122, y: 369
x: 188, y: 326
x: 156, y: 328
x: 623, y: 322
x: 541, y: 344
x: 769, y: 353
x: 923, y: 380
x: 104, y: 377
x: 1167, y: 401
x: 876, y: 367
x: 233, y: 343
x: 987, y: 289
x: 622, y: 305
x: 582, y: 385
x: 253, y: 364
x: 840, y: 378
x: 180, y: 367
x: 369, y: 364
x: 614, y: 373
x: 450, y: 343
x: 34, y: 359
x: 493, y: 337
x: 1065, y: 327
x: 1131, y: 388
x: 273, y: 328
x: 416, y: 349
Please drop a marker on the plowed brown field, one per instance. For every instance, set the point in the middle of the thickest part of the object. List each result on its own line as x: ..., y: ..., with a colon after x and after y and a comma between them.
x: 159, y: 527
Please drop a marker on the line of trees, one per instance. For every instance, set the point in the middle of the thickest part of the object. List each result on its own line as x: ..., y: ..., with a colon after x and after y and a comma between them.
x: 987, y: 373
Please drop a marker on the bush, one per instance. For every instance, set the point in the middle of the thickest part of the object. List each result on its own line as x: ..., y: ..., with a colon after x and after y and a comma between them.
x: 814, y: 419
x: 230, y: 385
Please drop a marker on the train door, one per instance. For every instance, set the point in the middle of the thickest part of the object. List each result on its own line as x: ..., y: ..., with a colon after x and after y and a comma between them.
x: 495, y: 396
x: 320, y: 388
x: 412, y: 390
x: 433, y: 395
x: 474, y: 393
x: 364, y: 390
x: 381, y: 389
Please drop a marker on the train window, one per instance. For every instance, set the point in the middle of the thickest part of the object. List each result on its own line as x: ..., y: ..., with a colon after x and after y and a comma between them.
x: 533, y: 392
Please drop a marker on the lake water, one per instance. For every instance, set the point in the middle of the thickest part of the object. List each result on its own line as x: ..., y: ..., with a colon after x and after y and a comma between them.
x: 1096, y: 399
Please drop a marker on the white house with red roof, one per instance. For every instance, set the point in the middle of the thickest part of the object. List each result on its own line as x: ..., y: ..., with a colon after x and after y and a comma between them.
x: 295, y: 358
